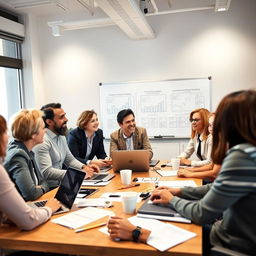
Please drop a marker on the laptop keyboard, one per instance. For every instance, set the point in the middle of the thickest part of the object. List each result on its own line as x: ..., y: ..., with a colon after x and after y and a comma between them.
x: 41, y: 203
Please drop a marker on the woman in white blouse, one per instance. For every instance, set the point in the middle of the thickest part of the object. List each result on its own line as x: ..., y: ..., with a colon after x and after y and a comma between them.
x: 200, y: 142
x: 12, y: 205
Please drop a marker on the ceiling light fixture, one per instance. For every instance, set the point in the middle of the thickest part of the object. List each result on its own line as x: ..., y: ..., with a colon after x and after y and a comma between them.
x: 55, y: 26
x: 222, y: 5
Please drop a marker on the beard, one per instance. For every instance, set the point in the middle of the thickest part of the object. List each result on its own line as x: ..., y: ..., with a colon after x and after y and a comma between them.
x: 62, y: 130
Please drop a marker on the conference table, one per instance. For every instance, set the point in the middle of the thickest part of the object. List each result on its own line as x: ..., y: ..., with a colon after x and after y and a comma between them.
x: 51, y: 237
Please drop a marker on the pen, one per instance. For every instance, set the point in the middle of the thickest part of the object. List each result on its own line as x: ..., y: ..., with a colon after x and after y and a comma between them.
x: 90, y: 227
x: 146, y: 197
x: 98, y: 181
x: 130, y: 186
x: 114, y: 195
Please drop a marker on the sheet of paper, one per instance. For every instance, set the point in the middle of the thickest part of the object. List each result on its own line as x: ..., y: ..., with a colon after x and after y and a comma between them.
x: 94, y: 202
x: 177, y: 183
x: 116, y: 196
x: 94, y: 183
x: 167, y: 173
x: 147, y: 179
x: 163, y: 235
x: 82, y: 217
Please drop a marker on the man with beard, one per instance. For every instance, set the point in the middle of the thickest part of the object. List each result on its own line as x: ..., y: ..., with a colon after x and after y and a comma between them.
x: 53, y: 153
x: 129, y: 136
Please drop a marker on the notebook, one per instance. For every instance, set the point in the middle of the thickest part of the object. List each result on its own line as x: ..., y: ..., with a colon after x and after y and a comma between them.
x: 136, y: 160
x: 67, y: 192
x: 159, y: 211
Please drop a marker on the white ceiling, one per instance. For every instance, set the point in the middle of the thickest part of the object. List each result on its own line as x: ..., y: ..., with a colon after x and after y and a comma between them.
x: 79, y: 14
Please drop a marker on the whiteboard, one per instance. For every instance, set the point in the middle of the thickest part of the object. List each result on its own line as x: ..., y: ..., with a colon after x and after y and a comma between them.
x: 162, y: 107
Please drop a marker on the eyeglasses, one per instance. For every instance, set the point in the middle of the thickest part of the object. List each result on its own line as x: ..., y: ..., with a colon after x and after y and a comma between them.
x: 194, y: 120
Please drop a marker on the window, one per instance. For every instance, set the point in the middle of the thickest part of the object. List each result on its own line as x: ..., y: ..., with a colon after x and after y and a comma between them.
x: 10, y: 77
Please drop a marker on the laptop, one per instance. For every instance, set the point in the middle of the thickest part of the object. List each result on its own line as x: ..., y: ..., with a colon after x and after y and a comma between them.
x: 153, y: 162
x: 136, y: 160
x: 160, y: 211
x: 67, y: 191
x: 102, y: 176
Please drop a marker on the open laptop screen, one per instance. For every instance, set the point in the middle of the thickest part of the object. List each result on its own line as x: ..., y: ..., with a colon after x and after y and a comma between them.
x: 69, y: 187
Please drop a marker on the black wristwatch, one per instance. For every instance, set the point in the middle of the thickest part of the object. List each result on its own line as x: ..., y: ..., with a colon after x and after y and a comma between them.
x: 136, y: 234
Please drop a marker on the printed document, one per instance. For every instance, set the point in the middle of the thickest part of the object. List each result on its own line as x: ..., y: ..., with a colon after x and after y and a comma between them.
x: 163, y: 235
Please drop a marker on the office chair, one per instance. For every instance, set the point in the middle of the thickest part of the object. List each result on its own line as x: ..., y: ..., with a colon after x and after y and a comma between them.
x: 222, y: 251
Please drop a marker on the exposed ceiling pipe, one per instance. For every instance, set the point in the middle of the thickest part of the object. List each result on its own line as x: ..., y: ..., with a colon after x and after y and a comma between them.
x: 181, y: 10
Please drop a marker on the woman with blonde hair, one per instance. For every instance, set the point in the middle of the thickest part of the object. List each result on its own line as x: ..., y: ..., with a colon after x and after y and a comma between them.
x: 28, y: 130
x: 86, y: 141
x: 200, y: 142
x: 12, y: 206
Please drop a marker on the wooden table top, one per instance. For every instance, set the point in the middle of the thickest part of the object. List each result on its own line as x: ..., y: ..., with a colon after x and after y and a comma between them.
x: 51, y: 237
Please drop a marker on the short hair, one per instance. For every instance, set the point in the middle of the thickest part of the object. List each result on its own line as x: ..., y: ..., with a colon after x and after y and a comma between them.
x: 204, y: 114
x: 123, y: 113
x: 48, y: 111
x: 84, y: 118
x: 234, y: 123
x: 26, y: 123
x: 3, y: 129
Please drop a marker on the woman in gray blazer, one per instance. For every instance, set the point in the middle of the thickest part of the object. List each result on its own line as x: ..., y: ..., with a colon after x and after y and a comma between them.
x: 28, y: 130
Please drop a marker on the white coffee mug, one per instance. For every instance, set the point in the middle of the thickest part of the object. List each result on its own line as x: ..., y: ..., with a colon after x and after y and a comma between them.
x: 175, y: 164
x: 126, y: 176
x: 129, y: 201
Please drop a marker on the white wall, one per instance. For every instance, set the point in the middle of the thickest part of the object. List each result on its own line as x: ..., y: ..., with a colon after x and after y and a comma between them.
x: 188, y: 45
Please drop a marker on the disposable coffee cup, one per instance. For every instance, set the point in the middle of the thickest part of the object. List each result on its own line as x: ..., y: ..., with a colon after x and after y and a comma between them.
x: 126, y: 176
x: 175, y: 164
x: 129, y: 201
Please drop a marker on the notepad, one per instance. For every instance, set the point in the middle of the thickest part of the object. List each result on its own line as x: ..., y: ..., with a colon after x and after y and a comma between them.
x: 82, y: 217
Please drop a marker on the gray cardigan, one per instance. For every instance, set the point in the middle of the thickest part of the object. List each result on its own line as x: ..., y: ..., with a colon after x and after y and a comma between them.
x: 18, y: 164
x: 233, y: 195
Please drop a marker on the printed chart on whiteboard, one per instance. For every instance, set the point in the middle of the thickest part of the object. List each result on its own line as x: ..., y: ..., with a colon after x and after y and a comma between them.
x: 162, y: 107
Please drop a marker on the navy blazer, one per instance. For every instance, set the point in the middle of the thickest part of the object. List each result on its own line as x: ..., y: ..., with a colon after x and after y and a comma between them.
x: 77, y: 143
